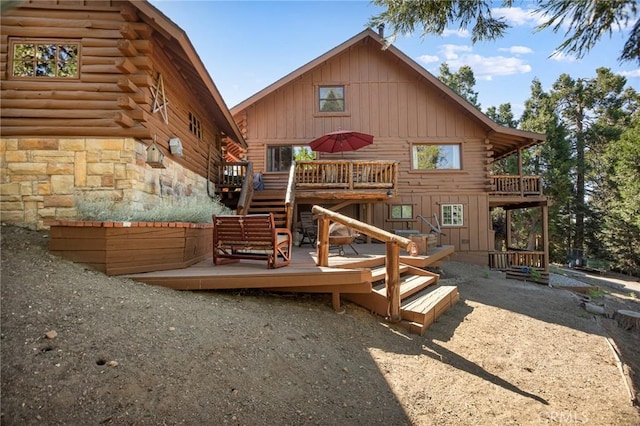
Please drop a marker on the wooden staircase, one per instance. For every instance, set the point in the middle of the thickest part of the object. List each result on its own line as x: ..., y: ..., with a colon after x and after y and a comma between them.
x: 422, y: 299
x: 270, y: 201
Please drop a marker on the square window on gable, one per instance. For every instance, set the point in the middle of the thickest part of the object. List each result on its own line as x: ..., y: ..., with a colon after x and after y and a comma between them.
x: 331, y: 99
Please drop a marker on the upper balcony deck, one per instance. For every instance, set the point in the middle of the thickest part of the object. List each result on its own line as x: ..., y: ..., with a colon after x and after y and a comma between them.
x: 374, y: 180
x: 516, y: 189
x: 330, y: 179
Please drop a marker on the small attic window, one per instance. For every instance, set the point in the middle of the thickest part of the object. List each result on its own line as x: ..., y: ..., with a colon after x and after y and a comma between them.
x: 194, y: 125
x: 331, y: 99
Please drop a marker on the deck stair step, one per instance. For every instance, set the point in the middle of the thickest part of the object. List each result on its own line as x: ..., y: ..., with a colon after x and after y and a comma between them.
x: 409, y: 285
x: 423, y: 309
x: 270, y: 201
x: 422, y: 299
x: 379, y: 273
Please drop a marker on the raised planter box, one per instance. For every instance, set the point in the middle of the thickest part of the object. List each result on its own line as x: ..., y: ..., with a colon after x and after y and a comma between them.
x: 117, y: 248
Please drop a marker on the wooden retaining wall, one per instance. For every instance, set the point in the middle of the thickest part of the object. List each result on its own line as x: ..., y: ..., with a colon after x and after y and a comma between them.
x: 117, y: 248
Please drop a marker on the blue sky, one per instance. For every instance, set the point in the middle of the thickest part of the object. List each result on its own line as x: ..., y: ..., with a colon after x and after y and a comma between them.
x: 247, y: 45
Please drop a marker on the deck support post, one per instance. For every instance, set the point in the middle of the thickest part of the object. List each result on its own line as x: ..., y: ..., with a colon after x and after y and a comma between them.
x: 335, y: 301
x: 545, y: 236
x: 508, y: 226
x: 392, y: 281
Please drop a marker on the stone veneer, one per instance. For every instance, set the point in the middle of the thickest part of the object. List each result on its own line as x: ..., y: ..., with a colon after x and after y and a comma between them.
x: 40, y: 177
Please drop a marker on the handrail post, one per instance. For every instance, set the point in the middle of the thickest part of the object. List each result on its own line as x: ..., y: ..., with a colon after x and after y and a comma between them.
x: 290, y: 195
x: 392, y: 242
x: 521, y: 186
x: 393, y: 281
x: 540, y: 186
x: 323, y: 241
x: 246, y: 192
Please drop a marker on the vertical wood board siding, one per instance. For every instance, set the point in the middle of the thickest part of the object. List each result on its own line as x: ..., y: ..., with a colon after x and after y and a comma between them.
x: 472, y: 236
x: 388, y: 99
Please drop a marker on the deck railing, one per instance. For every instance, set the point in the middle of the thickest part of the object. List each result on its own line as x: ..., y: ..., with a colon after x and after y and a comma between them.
x: 516, y: 185
x: 345, y: 174
x: 393, y: 243
x: 232, y: 175
x: 503, y: 260
x: 236, y: 177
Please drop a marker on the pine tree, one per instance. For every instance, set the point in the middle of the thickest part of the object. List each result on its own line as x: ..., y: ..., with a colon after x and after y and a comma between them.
x: 462, y: 82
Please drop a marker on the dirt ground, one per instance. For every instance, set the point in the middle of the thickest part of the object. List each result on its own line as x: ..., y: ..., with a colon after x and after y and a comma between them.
x: 509, y: 353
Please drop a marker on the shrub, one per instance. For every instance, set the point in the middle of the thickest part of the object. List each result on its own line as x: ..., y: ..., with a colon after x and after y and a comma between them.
x: 104, y: 207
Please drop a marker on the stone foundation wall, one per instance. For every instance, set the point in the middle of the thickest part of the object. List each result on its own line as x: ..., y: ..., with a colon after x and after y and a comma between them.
x: 40, y: 177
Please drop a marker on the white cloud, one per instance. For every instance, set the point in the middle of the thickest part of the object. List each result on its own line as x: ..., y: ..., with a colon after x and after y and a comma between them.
x: 462, y: 33
x: 428, y: 59
x: 450, y: 51
x: 562, y: 57
x: 487, y: 67
x: 516, y: 50
x: 484, y: 67
x: 630, y: 74
x: 517, y: 16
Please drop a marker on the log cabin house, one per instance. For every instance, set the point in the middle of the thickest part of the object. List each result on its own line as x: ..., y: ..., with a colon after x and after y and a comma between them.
x: 110, y: 96
x: 94, y: 93
x: 428, y: 167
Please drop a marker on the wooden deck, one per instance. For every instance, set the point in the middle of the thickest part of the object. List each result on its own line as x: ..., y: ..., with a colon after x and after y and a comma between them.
x: 346, y: 274
x: 359, y: 278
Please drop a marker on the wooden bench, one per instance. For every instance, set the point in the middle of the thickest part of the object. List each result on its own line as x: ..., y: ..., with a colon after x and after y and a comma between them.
x: 250, y: 237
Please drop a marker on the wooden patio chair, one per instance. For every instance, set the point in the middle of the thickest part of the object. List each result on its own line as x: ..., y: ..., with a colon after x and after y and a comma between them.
x: 250, y: 237
x: 308, y: 228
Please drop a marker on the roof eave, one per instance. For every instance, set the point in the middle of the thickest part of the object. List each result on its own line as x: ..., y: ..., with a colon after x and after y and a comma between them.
x: 490, y: 125
x: 167, y: 26
x: 299, y: 71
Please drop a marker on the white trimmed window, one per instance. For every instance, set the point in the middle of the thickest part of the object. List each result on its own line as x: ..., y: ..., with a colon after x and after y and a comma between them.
x: 452, y: 215
x: 436, y: 157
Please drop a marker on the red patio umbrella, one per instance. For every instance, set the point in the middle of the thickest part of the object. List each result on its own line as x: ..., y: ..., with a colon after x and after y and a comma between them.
x: 340, y: 141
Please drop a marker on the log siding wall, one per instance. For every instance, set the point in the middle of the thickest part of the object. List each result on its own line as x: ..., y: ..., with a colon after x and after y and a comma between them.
x: 386, y: 98
x: 120, y: 60
x: 61, y: 136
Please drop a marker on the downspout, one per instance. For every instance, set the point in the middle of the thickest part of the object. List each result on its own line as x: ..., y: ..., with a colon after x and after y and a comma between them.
x: 209, y: 174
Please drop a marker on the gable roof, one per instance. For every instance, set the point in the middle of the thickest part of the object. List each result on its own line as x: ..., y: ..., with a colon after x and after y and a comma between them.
x: 184, y: 55
x: 505, y: 140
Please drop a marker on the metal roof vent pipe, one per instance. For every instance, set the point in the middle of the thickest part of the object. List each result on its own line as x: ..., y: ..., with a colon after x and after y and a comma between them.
x: 381, y: 30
